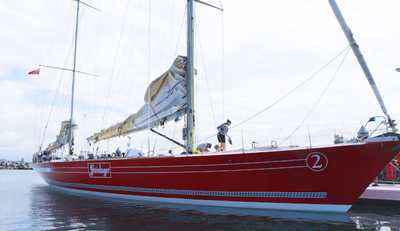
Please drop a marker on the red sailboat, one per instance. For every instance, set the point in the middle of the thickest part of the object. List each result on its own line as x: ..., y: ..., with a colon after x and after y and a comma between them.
x: 328, y: 179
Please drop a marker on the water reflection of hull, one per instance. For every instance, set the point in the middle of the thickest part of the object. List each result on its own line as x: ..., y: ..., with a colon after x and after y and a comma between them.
x: 61, y: 211
x: 375, y: 215
x: 66, y: 210
x: 328, y: 179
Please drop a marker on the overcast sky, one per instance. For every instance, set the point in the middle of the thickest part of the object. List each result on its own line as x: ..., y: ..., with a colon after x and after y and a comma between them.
x: 246, y: 58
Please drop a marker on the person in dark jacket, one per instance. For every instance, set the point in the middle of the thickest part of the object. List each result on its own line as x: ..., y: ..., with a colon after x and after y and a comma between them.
x: 222, y: 133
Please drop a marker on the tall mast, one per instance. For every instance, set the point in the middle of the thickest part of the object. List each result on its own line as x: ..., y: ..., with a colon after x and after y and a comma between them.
x: 360, y: 58
x: 70, y: 144
x: 190, y: 115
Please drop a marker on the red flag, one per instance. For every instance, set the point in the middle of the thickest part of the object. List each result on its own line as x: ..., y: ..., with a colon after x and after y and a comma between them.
x: 34, y: 72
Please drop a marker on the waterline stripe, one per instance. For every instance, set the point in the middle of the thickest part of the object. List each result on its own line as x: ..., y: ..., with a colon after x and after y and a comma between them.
x: 334, y: 208
x: 294, y: 195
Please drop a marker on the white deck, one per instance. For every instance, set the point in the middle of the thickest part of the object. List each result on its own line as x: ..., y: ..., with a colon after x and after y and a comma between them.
x: 384, y: 192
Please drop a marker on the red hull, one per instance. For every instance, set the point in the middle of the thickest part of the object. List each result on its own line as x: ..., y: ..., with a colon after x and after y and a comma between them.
x: 299, y: 179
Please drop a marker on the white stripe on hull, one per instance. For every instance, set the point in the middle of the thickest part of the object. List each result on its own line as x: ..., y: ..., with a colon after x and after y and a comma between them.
x: 54, y: 170
x: 250, y: 205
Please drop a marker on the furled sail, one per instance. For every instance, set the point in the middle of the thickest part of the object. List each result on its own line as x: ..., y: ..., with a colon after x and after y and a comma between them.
x: 62, y: 137
x: 165, y: 100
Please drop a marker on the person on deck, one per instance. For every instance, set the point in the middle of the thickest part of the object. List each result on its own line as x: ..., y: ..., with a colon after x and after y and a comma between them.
x: 118, y: 153
x: 222, y: 133
x: 204, y: 147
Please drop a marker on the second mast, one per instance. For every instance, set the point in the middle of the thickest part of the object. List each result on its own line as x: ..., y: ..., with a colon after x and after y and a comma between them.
x: 190, y: 115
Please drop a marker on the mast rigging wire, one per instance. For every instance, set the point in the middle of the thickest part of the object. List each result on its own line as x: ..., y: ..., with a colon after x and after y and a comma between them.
x: 180, y: 34
x: 149, y: 72
x: 205, y: 74
x: 323, y: 93
x: 281, y: 98
x: 51, y: 109
x: 109, y: 85
x: 312, y: 76
x: 223, y: 59
x: 50, y: 112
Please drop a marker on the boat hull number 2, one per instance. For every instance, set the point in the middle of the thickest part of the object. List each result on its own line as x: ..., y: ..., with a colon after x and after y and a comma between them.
x: 317, y: 161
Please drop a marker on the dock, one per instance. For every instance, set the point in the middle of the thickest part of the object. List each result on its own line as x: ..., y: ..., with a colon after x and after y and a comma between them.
x: 382, y: 192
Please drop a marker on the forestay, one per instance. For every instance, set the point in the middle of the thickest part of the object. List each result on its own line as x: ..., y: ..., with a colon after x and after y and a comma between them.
x: 165, y: 100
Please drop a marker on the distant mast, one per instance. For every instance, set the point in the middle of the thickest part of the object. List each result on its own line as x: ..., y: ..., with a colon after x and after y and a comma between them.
x: 360, y: 59
x: 70, y: 141
x: 190, y: 114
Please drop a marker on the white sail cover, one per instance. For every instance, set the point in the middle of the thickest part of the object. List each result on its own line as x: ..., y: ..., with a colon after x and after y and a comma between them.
x: 62, y: 137
x: 165, y: 100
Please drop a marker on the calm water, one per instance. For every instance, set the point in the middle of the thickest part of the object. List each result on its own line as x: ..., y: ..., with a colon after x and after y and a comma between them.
x: 27, y: 203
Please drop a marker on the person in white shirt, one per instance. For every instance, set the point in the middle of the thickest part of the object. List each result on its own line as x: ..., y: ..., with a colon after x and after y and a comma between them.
x: 204, y: 147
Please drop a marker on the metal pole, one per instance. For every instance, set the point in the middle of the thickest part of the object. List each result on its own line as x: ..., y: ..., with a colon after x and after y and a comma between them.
x: 166, y: 137
x: 190, y: 115
x: 360, y: 57
x: 73, y: 79
x: 67, y: 69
